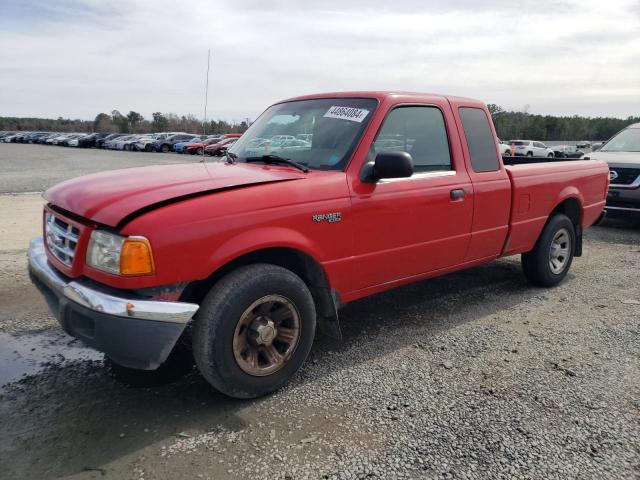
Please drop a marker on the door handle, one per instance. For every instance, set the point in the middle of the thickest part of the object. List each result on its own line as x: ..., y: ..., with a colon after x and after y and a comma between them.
x: 457, y: 194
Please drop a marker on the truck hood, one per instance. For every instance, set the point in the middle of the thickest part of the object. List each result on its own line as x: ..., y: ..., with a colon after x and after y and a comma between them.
x: 616, y: 157
x: 110, y: 197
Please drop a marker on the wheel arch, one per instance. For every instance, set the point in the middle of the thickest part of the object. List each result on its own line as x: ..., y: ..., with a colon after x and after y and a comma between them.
x: 571, y: 206
x: 301, y: 263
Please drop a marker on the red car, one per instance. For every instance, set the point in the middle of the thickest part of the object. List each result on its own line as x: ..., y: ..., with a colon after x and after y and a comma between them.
x: 324, y: 200
x: 220, y: 147
x: 198, y: 147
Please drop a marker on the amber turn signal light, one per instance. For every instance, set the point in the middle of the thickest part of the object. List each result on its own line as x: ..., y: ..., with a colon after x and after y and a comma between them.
x: 136, y: 257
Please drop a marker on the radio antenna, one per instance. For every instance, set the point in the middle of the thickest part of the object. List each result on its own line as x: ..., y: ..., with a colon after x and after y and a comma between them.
x: 206, y: 101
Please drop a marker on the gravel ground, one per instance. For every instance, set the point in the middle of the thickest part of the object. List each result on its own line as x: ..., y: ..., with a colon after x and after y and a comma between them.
x: 471, y: 375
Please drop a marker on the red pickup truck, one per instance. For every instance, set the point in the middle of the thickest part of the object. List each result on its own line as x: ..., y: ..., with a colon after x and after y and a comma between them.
x: 325, y: 199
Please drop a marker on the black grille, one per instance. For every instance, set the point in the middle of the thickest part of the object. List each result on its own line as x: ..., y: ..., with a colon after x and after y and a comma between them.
x: 626, y: 176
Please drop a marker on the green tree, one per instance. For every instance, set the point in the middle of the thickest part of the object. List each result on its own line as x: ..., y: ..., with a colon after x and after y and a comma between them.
x: 160, y: 122
x: 134, y: 118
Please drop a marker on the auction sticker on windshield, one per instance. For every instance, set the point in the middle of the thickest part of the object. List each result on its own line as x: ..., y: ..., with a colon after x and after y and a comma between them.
x: 347, y: 113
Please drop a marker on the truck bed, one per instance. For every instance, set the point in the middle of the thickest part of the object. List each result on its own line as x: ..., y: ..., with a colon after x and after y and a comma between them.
x: 539, y: 185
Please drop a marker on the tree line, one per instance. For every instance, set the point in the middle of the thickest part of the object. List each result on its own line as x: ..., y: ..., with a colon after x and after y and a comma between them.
x: 509, y: 125
x: 513, y: 125
x: 132, y: 122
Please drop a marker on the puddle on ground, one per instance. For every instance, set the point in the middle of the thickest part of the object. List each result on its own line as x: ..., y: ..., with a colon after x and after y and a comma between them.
x: 29, y: 353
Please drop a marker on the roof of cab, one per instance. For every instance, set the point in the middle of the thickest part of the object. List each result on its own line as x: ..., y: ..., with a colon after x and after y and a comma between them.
x: 380, y: 95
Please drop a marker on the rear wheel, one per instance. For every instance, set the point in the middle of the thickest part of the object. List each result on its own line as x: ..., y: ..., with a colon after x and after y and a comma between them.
x: 550, y: 155
x: 254, y: 330
x: 198, y: 151
x: 549, y: 261
x: 529, y: 154
x: 165, y: 148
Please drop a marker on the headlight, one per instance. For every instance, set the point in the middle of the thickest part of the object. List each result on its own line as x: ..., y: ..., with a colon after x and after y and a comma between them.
x: 111, y: 253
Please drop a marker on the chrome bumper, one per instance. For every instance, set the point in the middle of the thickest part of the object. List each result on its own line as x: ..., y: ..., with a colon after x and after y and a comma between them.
x: 173, y: 312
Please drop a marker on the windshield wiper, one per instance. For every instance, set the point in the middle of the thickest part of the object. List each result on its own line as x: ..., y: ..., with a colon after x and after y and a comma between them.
x: 277, y: 159
x: 230, y: 156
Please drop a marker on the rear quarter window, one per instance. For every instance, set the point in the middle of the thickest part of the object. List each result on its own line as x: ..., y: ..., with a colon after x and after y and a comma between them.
x: 480, y: 140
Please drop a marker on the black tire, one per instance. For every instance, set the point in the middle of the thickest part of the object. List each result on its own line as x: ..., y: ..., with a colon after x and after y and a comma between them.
x: 198, y: 151
x: 179, y: 363
x: 551, y: 155
x: 220, y: 312
x: 126, y: 148
x: 148, y: 148
x: 537, y: 264
x: 507, y: 153
x: 529, y: 154
x: 165, y: 148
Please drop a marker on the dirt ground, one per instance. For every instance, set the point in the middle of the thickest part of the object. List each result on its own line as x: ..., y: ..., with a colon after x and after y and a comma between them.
x: 471, y: 375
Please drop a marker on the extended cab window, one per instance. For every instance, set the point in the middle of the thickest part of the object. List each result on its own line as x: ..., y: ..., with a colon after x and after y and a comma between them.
x: 480, y: 140
x: 419, y: 131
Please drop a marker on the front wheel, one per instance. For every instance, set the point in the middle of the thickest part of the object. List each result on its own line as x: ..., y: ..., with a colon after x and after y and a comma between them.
x: 165, y: 148
x: 529, y: 154
x: 550, y: 155
x: 549, y: 261
x: 254, y: 330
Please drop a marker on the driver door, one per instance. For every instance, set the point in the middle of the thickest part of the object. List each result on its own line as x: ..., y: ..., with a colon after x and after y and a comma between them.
x: 406, y: 227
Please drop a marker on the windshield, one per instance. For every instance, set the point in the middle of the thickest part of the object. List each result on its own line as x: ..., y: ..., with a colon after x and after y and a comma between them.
x: 319, y: 134
x: 627, y: 140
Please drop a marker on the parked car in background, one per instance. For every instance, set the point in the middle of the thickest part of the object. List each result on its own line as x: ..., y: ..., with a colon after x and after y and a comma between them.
x: 90, y: 141
x: 128, y: 143
x: 198, y: 147
x: 216, y: 149
x: 4, y: 136
x: 112, y: 144
x: 583, y: 144
x: 567, y: 151
x: 530, y: 148
x: 10, y: 137
x: 73, y: 140
x: 180, y: 146
x: 622, y: 154
x: 145, y: 143
x: 505, y: 150
x: 101, y: 141
x: 165, y: 145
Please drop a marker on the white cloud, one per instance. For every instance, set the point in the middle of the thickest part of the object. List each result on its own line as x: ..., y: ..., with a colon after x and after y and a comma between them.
x: 79, y: 57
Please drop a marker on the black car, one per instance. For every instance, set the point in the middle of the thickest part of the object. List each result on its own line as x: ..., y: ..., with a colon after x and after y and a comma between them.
x: 166, y: 145
x: 99, y: 143
x: 91, y: 140
x: 566, y: 151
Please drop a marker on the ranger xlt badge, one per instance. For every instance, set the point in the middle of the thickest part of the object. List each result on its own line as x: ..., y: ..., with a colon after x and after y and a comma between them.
x: 329, y: 217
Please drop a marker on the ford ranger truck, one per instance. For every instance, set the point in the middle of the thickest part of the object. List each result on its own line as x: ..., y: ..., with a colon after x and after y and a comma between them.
x: 324, y: 200
x: 622, y: 154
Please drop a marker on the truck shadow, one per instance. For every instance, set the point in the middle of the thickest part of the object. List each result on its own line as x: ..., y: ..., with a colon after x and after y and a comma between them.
x: 73, y: 418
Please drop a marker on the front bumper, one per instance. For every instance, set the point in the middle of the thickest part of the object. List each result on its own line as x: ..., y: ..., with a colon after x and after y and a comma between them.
x: 623, y: 202
x: 133, y: 332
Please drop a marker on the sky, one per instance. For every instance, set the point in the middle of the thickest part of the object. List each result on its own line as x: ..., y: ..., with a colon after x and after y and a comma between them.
x: 77, y: 58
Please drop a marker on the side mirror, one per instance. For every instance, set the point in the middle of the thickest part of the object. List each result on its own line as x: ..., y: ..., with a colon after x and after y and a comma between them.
x: 388, y: 165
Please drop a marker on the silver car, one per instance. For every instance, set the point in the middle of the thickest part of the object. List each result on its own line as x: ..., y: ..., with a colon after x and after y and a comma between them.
x: 622, y: 153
